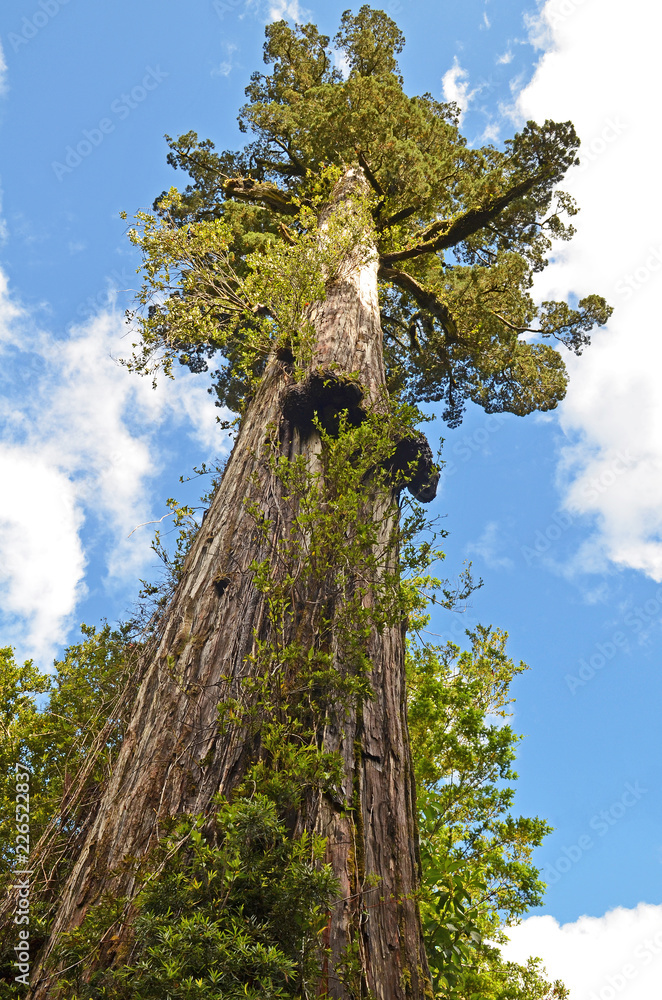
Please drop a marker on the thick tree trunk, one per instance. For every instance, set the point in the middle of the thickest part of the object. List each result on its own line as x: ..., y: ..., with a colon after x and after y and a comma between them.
x: 174, y: 759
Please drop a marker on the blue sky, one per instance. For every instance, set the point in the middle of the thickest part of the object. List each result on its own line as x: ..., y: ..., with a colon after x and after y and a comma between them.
x: 561, y: 514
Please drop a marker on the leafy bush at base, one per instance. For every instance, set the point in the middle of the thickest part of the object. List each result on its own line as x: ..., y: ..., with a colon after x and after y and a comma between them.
x: 232, y: 912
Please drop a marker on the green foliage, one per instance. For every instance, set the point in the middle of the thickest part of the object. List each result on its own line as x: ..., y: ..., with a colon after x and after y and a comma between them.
x: 65, y: 730
x: 459, y: 232
x: 198, y: 297
x: 231, y: 908
x: 477, y: 858
x: 490, y: 978
x: 233, y: 904
x: 236, y: 904
x: 51, y: 723
x: 329, y: 582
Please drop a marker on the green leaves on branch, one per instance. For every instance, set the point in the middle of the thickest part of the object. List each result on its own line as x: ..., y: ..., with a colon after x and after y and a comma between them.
x: 478, y: 871
x: 201, y: 297
x: 65, y: 730
x: 460, y: 232
x: 230, y: 907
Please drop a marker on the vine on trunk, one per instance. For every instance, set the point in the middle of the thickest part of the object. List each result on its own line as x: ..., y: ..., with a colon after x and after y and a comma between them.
x: 329, y: 583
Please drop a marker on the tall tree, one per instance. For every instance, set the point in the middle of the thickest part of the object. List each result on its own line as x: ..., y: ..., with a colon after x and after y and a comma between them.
x: 355, y: 259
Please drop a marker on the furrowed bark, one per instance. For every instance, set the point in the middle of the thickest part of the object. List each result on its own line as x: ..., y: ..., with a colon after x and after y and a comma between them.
x: 175, y: 759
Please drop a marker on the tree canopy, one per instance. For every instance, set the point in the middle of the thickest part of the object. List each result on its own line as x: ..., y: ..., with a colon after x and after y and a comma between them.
x: 460, y: 232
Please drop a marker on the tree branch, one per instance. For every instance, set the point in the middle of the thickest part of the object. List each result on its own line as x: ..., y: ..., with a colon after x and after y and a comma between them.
x: 372, y: 180
x: 453, y: 232
x: 296, y: 162
x: 287, y: 169
x: 427, y: 300
x: 247, y: 189
x: 511, y: 326
x: 400, y: 216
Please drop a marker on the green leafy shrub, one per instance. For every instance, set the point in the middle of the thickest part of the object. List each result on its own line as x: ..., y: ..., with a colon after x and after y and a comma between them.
x: 478, y: 870
x: 230, y: 909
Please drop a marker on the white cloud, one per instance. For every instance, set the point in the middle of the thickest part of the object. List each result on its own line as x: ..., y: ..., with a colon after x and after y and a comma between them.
x: 80, y: 445
x: 42, y: 567
x: 488, y: 547
x: 285, y: 9
x: 506, y: 58
x: 3, y: 71
x: 226, y: 66
x: 612, y: 465
x: 491, y: 133
x: 278, y: 10
x: 618, y: 955
x: 455, y: 86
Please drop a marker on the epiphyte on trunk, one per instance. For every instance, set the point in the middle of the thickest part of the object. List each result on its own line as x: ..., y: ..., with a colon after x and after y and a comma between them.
x: 326, y: 395
x: 412, y: 466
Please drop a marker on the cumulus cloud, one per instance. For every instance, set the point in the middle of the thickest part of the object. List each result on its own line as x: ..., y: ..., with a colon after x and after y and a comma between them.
x: 80, y: 445
x: 42, y: 566
x: 281, y: 10
x: 455, y: 86
x: 287, y: 9
x: 278, y: 10
x: 598, y: 958
x: 611, y: 466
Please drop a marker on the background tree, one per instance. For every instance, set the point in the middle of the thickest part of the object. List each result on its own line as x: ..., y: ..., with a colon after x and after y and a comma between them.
x: 478, y: 873
x: 198, y: 910
x: 356, y: 258
x: 64, y: 729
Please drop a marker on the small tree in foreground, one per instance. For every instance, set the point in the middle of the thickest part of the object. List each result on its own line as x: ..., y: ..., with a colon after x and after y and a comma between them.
x: 239, y: 912
x: 355, y: 260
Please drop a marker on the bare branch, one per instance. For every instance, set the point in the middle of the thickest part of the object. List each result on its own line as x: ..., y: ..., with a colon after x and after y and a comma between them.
x: 158, y: 521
